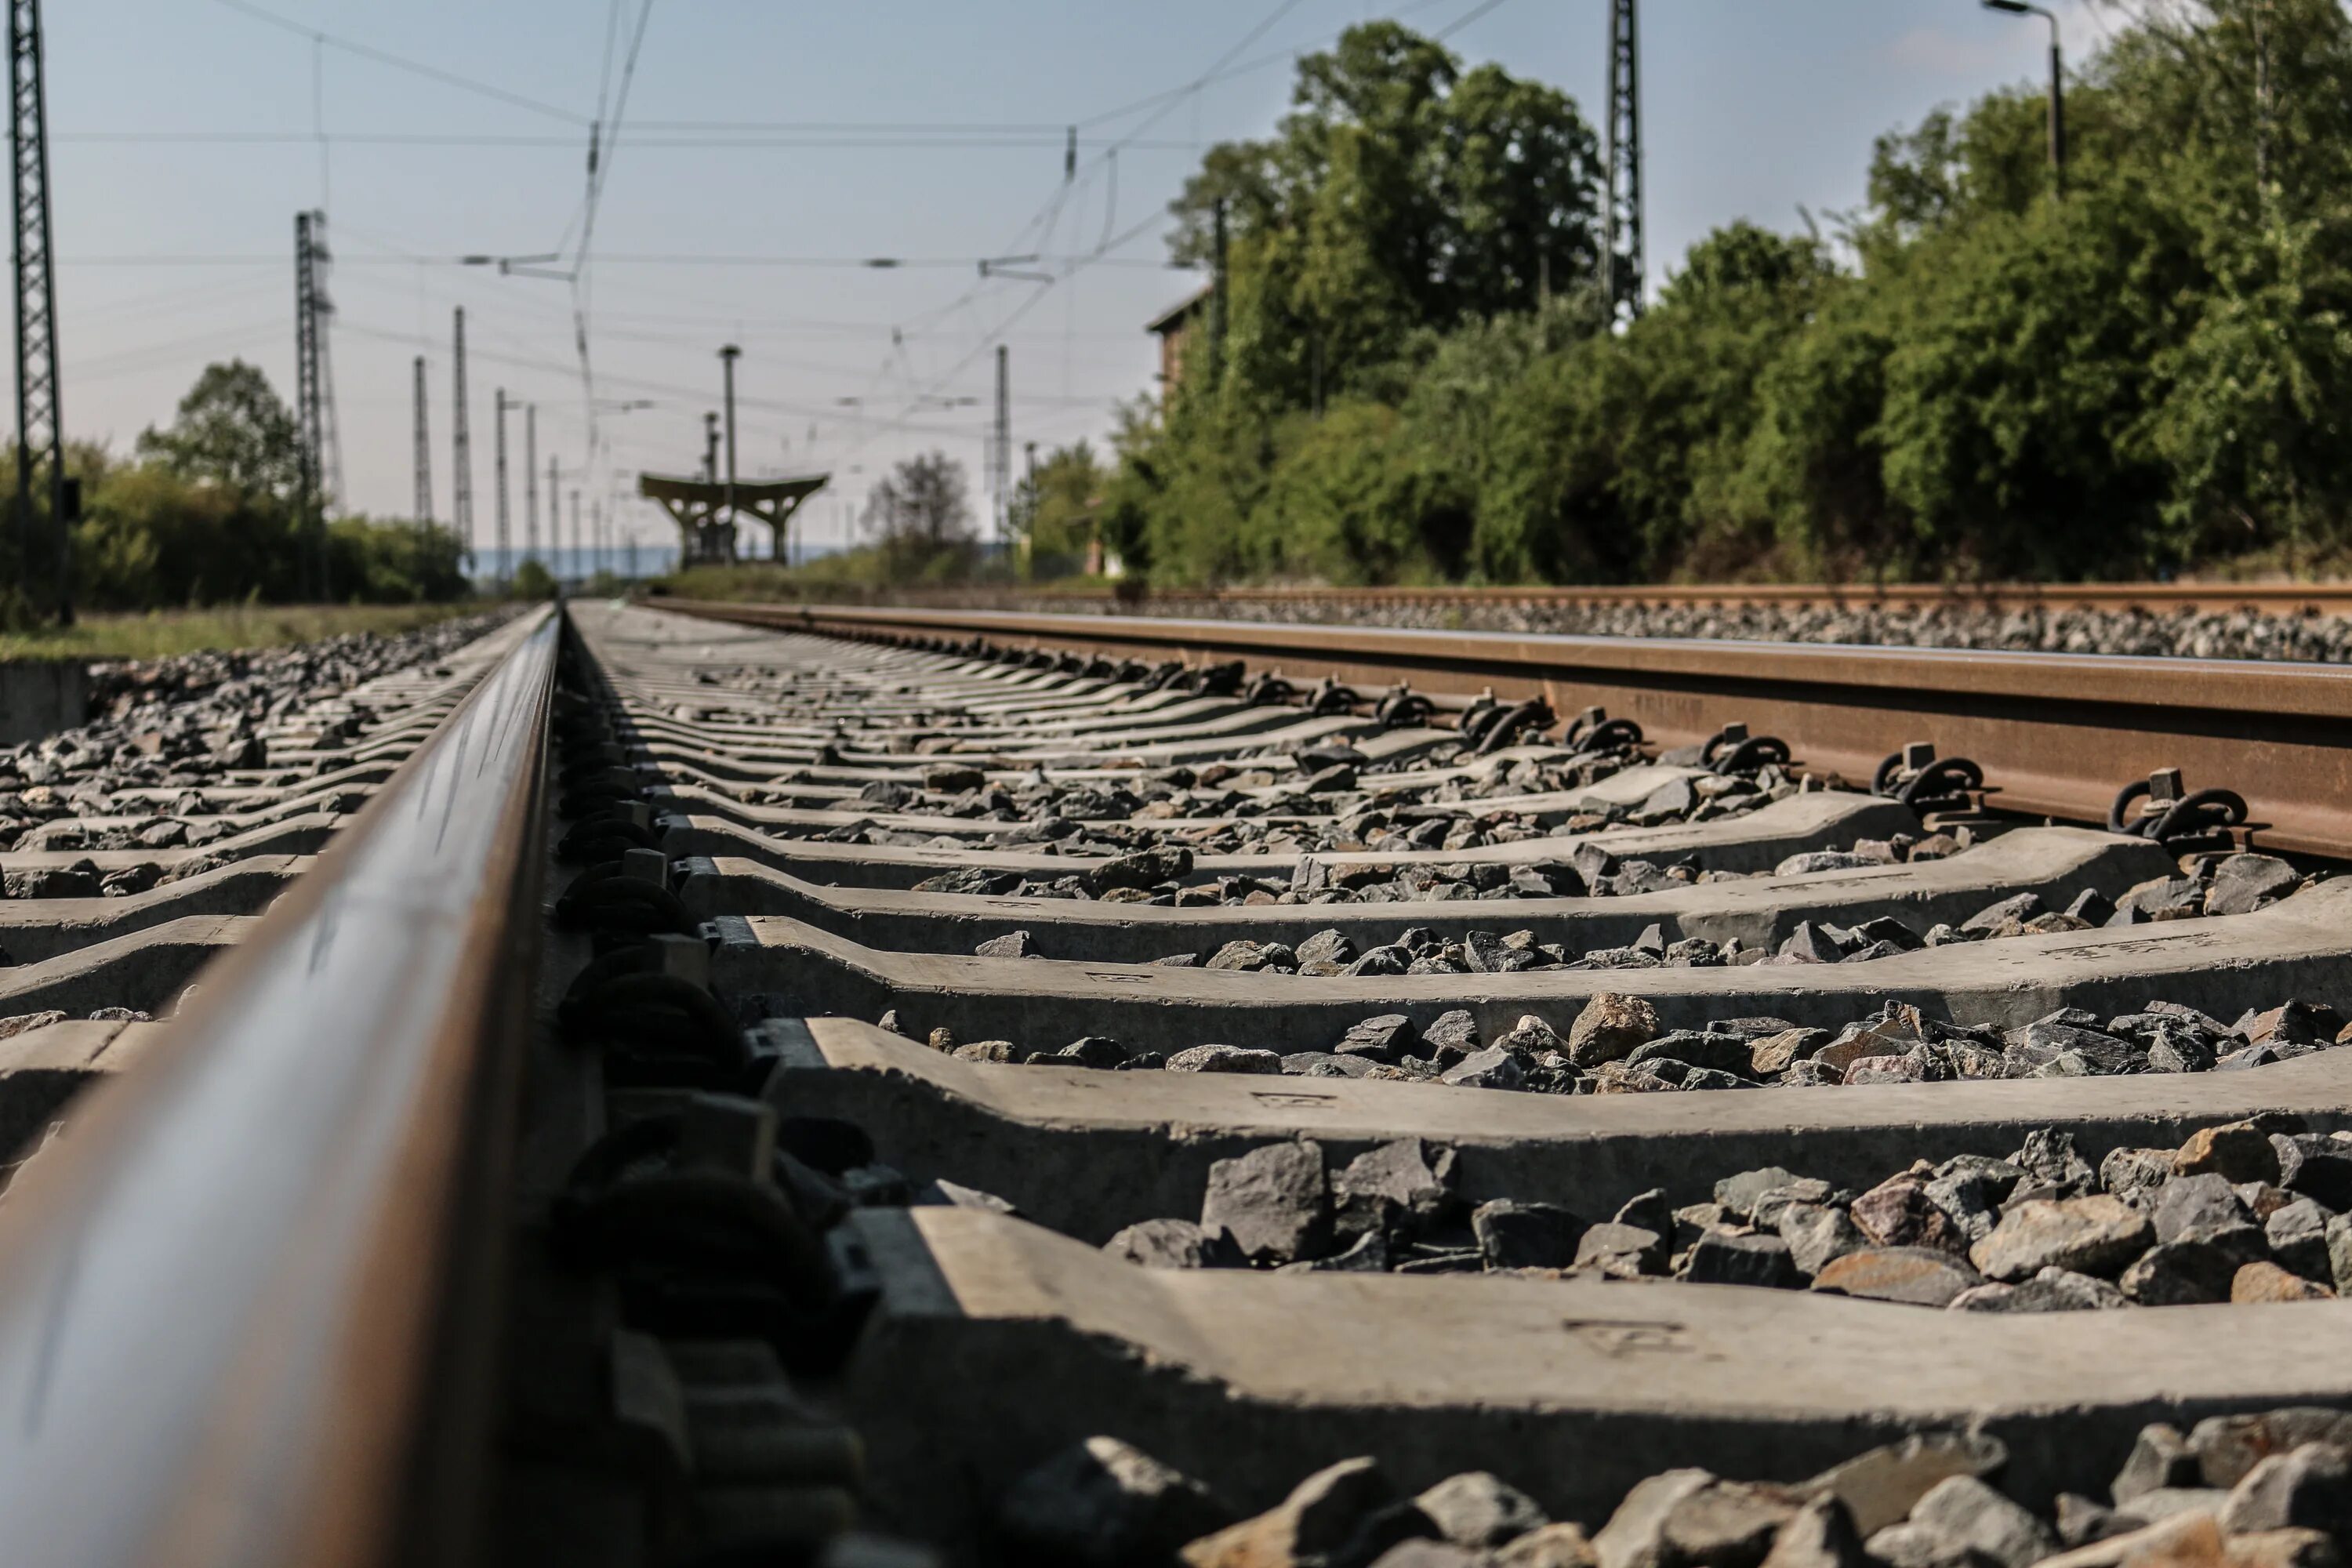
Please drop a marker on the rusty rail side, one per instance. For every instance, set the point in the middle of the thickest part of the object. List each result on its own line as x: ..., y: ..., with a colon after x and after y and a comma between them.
x: 2058, y: 734
x: 242, y: 1299
x: 2155, y: 598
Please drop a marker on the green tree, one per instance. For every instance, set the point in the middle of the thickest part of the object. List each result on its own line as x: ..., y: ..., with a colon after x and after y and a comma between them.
x: 1401, y: 192
x: 1052, y: 509
x: 233, y: 431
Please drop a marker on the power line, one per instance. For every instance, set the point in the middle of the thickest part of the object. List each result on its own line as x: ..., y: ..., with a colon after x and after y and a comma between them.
x: 417, y: 67
x: 1461, y: 21
x: 792, y: 141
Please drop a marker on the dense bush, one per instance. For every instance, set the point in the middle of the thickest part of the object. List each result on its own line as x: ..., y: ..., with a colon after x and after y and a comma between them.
x: 1973, y: 376
x: 205, y: 513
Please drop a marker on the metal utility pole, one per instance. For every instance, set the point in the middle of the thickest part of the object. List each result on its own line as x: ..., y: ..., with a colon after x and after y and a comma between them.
x: 999, y: 442
x: 498, y: 444
x: 306, y: 421
x: 531, y: 481
x: 1624, y: 272
x: 727, y: 357
x: 40, y: 424
x: 461, y: 482
x: 554, y: 521
x: 424, y: 453
x: 423, y: 511
x: 2057, y: 86
x: 575, y: 534
x: 710, y: 449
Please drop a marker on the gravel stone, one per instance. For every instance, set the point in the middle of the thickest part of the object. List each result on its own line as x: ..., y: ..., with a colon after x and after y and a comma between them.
x: 1921, y: 1276
x: 1454, y: 1033
x: 1013, y: 944
x: 1493, y: 1067
x: 1959, y: 1516
x: 2180, y: 1274
x: 1174, y: 1244
x: 2239, y: 1150
x: 1103, y: 1503
x: 2267, y: 1281
x: 1526, y: 1236
x: 1479, y: 1510
x: 2052, y: 1291
x: 1394, y: 1186
x: 2244, y: 883
x: 1724, y: 1257
x: 2309, y: 1487
x: 1817, y: 1234
x: 1608, y: 1028
x: 1224, y: 1058
x: 2090, y: 1235
x: 1324, y: 1515
x: 1274, y: 1201
x: 2160, y: 1458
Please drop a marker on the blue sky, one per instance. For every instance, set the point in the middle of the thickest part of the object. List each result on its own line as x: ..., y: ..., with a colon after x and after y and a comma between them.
x: 186, y: 137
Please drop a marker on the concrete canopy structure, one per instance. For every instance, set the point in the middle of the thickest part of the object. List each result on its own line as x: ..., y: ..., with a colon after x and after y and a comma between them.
x: 706, y: 513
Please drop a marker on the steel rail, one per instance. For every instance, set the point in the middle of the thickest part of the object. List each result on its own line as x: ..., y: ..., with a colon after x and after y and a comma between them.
x: 2155, y: 598
x: 2058, y: 733
x: 243, y: 1299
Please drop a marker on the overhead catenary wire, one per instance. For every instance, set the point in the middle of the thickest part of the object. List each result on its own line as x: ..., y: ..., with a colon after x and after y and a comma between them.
x: 400, y: 62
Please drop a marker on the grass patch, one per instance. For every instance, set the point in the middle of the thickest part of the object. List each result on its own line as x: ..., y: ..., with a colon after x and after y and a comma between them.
x: 158, y: 633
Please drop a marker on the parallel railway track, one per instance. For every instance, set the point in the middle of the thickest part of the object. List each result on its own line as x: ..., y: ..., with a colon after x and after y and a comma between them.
x: 779, y: 1086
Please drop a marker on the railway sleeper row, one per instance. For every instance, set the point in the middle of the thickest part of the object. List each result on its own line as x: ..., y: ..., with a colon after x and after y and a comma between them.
x: 964, y: 1136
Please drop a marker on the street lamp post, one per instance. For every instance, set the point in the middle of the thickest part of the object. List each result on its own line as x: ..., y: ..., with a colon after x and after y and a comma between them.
x: 2057, y: 86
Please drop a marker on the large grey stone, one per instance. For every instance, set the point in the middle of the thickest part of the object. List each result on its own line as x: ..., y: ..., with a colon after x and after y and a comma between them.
x: 2088, y: 1235
x: 1634, y: 1536
x: 1817, y: 1234
x: 2198, y: 1207
x: 2308, y: 1488
x: 2244, y: 883
x: 1919, y: 1275
x: 1325, y: 1513
x: 1726, y: 1524
x: 1493, y: 1067
x: 1722, y: 1257
x: 1963, y: 1513
x: 2160, y: 1458
x: 1479, y: 1510
x: 1224, y: 1058
x: 2228, y: 1447
x: 2054, y: 1291
x: 1608, y: 1028
x: 1274, y: 1201
x: 1820, y: 1534
x: 1174, y: 1244
x: 2180, y: 1274
x: 1393, y: 1186
x: 1622, y: 1251
x: 1881, y: 1486
x: 1526, y: 1234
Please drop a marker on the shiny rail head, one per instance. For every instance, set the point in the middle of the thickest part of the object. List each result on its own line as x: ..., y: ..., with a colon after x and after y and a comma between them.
x: 217, y: 1295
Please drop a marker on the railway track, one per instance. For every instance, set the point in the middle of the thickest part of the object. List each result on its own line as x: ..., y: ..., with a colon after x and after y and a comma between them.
x: 881, y: 1088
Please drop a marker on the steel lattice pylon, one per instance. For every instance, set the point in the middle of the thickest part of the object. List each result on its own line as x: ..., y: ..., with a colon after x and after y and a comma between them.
x: 1623, y: 259
x: 40, y: 424
x: 307, y: 423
